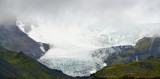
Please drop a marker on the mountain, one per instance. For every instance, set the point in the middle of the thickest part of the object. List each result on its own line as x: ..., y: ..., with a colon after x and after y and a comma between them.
x: 145, y: 47
x: 16, y: 65
x: 12, y: 38
x: 139, y: 61
x: 144, y: 69
x: 75, y: 45
x: 123, y: 62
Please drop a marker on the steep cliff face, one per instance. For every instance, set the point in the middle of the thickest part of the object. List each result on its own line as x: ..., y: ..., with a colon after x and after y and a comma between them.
x: 11, y: 37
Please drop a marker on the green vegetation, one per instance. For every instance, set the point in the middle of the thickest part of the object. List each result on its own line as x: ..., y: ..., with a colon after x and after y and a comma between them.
x: 144, y: 44
x: 148, y: 68
x: 142, y: 50
x: 14, y: 65
x: 141, y: 61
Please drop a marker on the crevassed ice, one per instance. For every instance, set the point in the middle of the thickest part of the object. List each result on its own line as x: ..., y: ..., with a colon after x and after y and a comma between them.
x: 73, y: 45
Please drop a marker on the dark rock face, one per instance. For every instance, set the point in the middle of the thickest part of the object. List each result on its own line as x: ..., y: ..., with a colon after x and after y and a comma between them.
x: 12, y: 38
x: 46, y: 46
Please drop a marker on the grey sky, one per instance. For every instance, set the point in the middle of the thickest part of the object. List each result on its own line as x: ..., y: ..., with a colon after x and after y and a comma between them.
x: 103, y: 11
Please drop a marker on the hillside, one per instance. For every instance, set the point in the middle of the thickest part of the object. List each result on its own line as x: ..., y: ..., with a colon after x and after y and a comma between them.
x: 12, y: 38
x: 148, y: 68
x: 16, y: 65
x: 144, y: 48
x: 139, y: 61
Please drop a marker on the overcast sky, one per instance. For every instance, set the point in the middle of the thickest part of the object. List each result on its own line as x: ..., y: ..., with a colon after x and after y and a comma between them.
x: 79, y: 11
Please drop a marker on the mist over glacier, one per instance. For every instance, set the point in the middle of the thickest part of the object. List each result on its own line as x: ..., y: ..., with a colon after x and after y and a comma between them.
x: 72, y: 47
x: 76, y: 28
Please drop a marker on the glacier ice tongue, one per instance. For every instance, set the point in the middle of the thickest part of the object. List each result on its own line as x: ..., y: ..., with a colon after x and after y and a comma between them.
x: 74, y: 45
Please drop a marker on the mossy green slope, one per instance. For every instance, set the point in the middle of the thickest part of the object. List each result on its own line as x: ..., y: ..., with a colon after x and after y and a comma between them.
x: 144, y: 48
x: 148, y: 68
x: 15, y: 65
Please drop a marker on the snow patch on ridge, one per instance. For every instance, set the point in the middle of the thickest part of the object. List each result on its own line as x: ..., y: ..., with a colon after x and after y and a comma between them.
x: 42, y: 48
x: 20, y: 25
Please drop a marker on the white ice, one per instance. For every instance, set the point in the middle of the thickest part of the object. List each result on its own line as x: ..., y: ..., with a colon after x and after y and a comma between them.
x: 73, y: 46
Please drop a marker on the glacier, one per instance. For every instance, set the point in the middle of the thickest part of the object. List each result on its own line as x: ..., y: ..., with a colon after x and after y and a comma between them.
x: 72, y: 47
x: 77, y: 29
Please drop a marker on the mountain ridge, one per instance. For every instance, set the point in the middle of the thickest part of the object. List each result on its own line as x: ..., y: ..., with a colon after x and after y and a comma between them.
x: 12, y: 38
x: 16, y: 65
